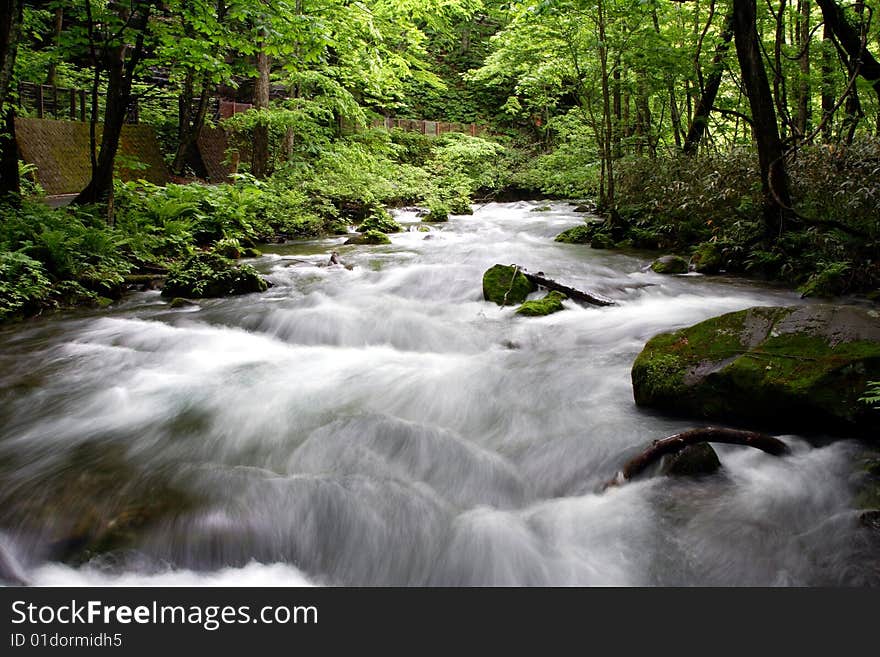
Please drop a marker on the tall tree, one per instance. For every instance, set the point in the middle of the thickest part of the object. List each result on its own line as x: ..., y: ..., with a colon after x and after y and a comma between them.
x: 11, y: 12
x: 774, y: 178
x: 112, y: 52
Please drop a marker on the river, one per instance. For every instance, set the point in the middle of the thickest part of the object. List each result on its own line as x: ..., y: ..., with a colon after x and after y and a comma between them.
x: 383, y: 425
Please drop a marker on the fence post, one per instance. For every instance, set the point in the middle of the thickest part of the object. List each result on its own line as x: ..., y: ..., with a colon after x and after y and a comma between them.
x: 40, y: 101
x: 72, y: 103
x: 82, y: 105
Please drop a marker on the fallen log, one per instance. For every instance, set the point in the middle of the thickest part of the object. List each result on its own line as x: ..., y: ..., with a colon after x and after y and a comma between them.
x: 675, y: 443
x: 572, y: 293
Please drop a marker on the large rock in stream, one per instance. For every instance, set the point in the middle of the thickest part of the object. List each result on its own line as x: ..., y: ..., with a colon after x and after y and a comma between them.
x: 211, y: 275
x: 506, y: 285
x: 801, y: 367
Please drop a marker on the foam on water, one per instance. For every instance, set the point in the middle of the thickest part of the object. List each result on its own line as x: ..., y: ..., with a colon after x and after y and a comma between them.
x: 384, y: 425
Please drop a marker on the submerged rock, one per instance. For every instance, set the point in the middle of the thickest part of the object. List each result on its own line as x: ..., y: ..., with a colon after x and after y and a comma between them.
x: 552, y: 303
x: 506, y: 285
x: 211, y: 275
x: 793, y: 367
x: 670, y: 264
x: 692, y: 461
x: 180, y: 302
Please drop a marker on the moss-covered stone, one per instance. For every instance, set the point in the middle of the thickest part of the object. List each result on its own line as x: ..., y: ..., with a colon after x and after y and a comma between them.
x: 707, y: 259
x: 552, y: 303
x: 180, y: 302
x: 369, y: 237
x: 670, y: 264
x: 578, y: 235
x: 380, y: 220
x: 250, y: 252
x: 541, y: 208
x: 506, y: 285
x: 794, y: 367
x: 211, y: 275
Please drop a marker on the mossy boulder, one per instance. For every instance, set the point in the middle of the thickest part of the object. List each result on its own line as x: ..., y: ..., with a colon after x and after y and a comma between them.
x: 552, y: 303
x: 506, y: 285
x: 369, y: 237
x: 707, y: 259
x: 577, y: 235
x: 541, y: 208
x: 670, y: 264
x: 801, y: 367
x: 380, y: 220
x: 211, y: 275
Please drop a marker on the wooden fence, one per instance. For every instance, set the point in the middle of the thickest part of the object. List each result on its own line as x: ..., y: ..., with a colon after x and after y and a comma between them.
x: 430, y: 128
x: 51, y: 102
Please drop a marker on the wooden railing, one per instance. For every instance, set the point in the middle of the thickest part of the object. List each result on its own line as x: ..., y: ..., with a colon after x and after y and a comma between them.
x: 49, y: 101
x: 430, y: 128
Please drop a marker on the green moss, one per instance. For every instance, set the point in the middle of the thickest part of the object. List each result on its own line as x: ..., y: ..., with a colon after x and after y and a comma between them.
x: 577, y: 235
x: 706, y: 258
x: 670, y: 264
x: 552, y: 303
x: 738, y: 366
x: 506, y: 285
x: 541, y: 208
x: 211, y: 275
x: 375, y: 237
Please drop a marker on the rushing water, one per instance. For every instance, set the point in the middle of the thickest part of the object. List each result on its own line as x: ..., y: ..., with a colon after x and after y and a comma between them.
x: 383, y: 425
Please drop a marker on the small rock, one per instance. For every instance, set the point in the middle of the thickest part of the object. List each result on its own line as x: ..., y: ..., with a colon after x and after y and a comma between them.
x: 552, y: 303
x: 180, y: 302
x: 692, y: 461
x: 670, y: 264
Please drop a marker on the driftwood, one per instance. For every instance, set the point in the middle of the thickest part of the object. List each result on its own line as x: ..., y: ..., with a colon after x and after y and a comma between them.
x: 674, y: 444
x: 573, y: 294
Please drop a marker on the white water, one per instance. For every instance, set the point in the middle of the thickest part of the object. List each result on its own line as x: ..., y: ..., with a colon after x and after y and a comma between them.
x: 384, y: 425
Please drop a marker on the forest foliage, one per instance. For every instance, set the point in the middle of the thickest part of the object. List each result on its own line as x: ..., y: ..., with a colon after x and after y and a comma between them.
x: 748, y: 127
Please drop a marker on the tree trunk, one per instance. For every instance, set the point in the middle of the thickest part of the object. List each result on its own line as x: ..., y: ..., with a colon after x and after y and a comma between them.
x: 118, y: 99
x: 827, y: 83
x: 10, y: 183
x: 260, y: 157
x: 851, y: 41
x: 58, y: 28
x: 10, y: 30
x: 774, y: 178
x: 710, y: 91
x: 803, y: 42
x: 190, y: 123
